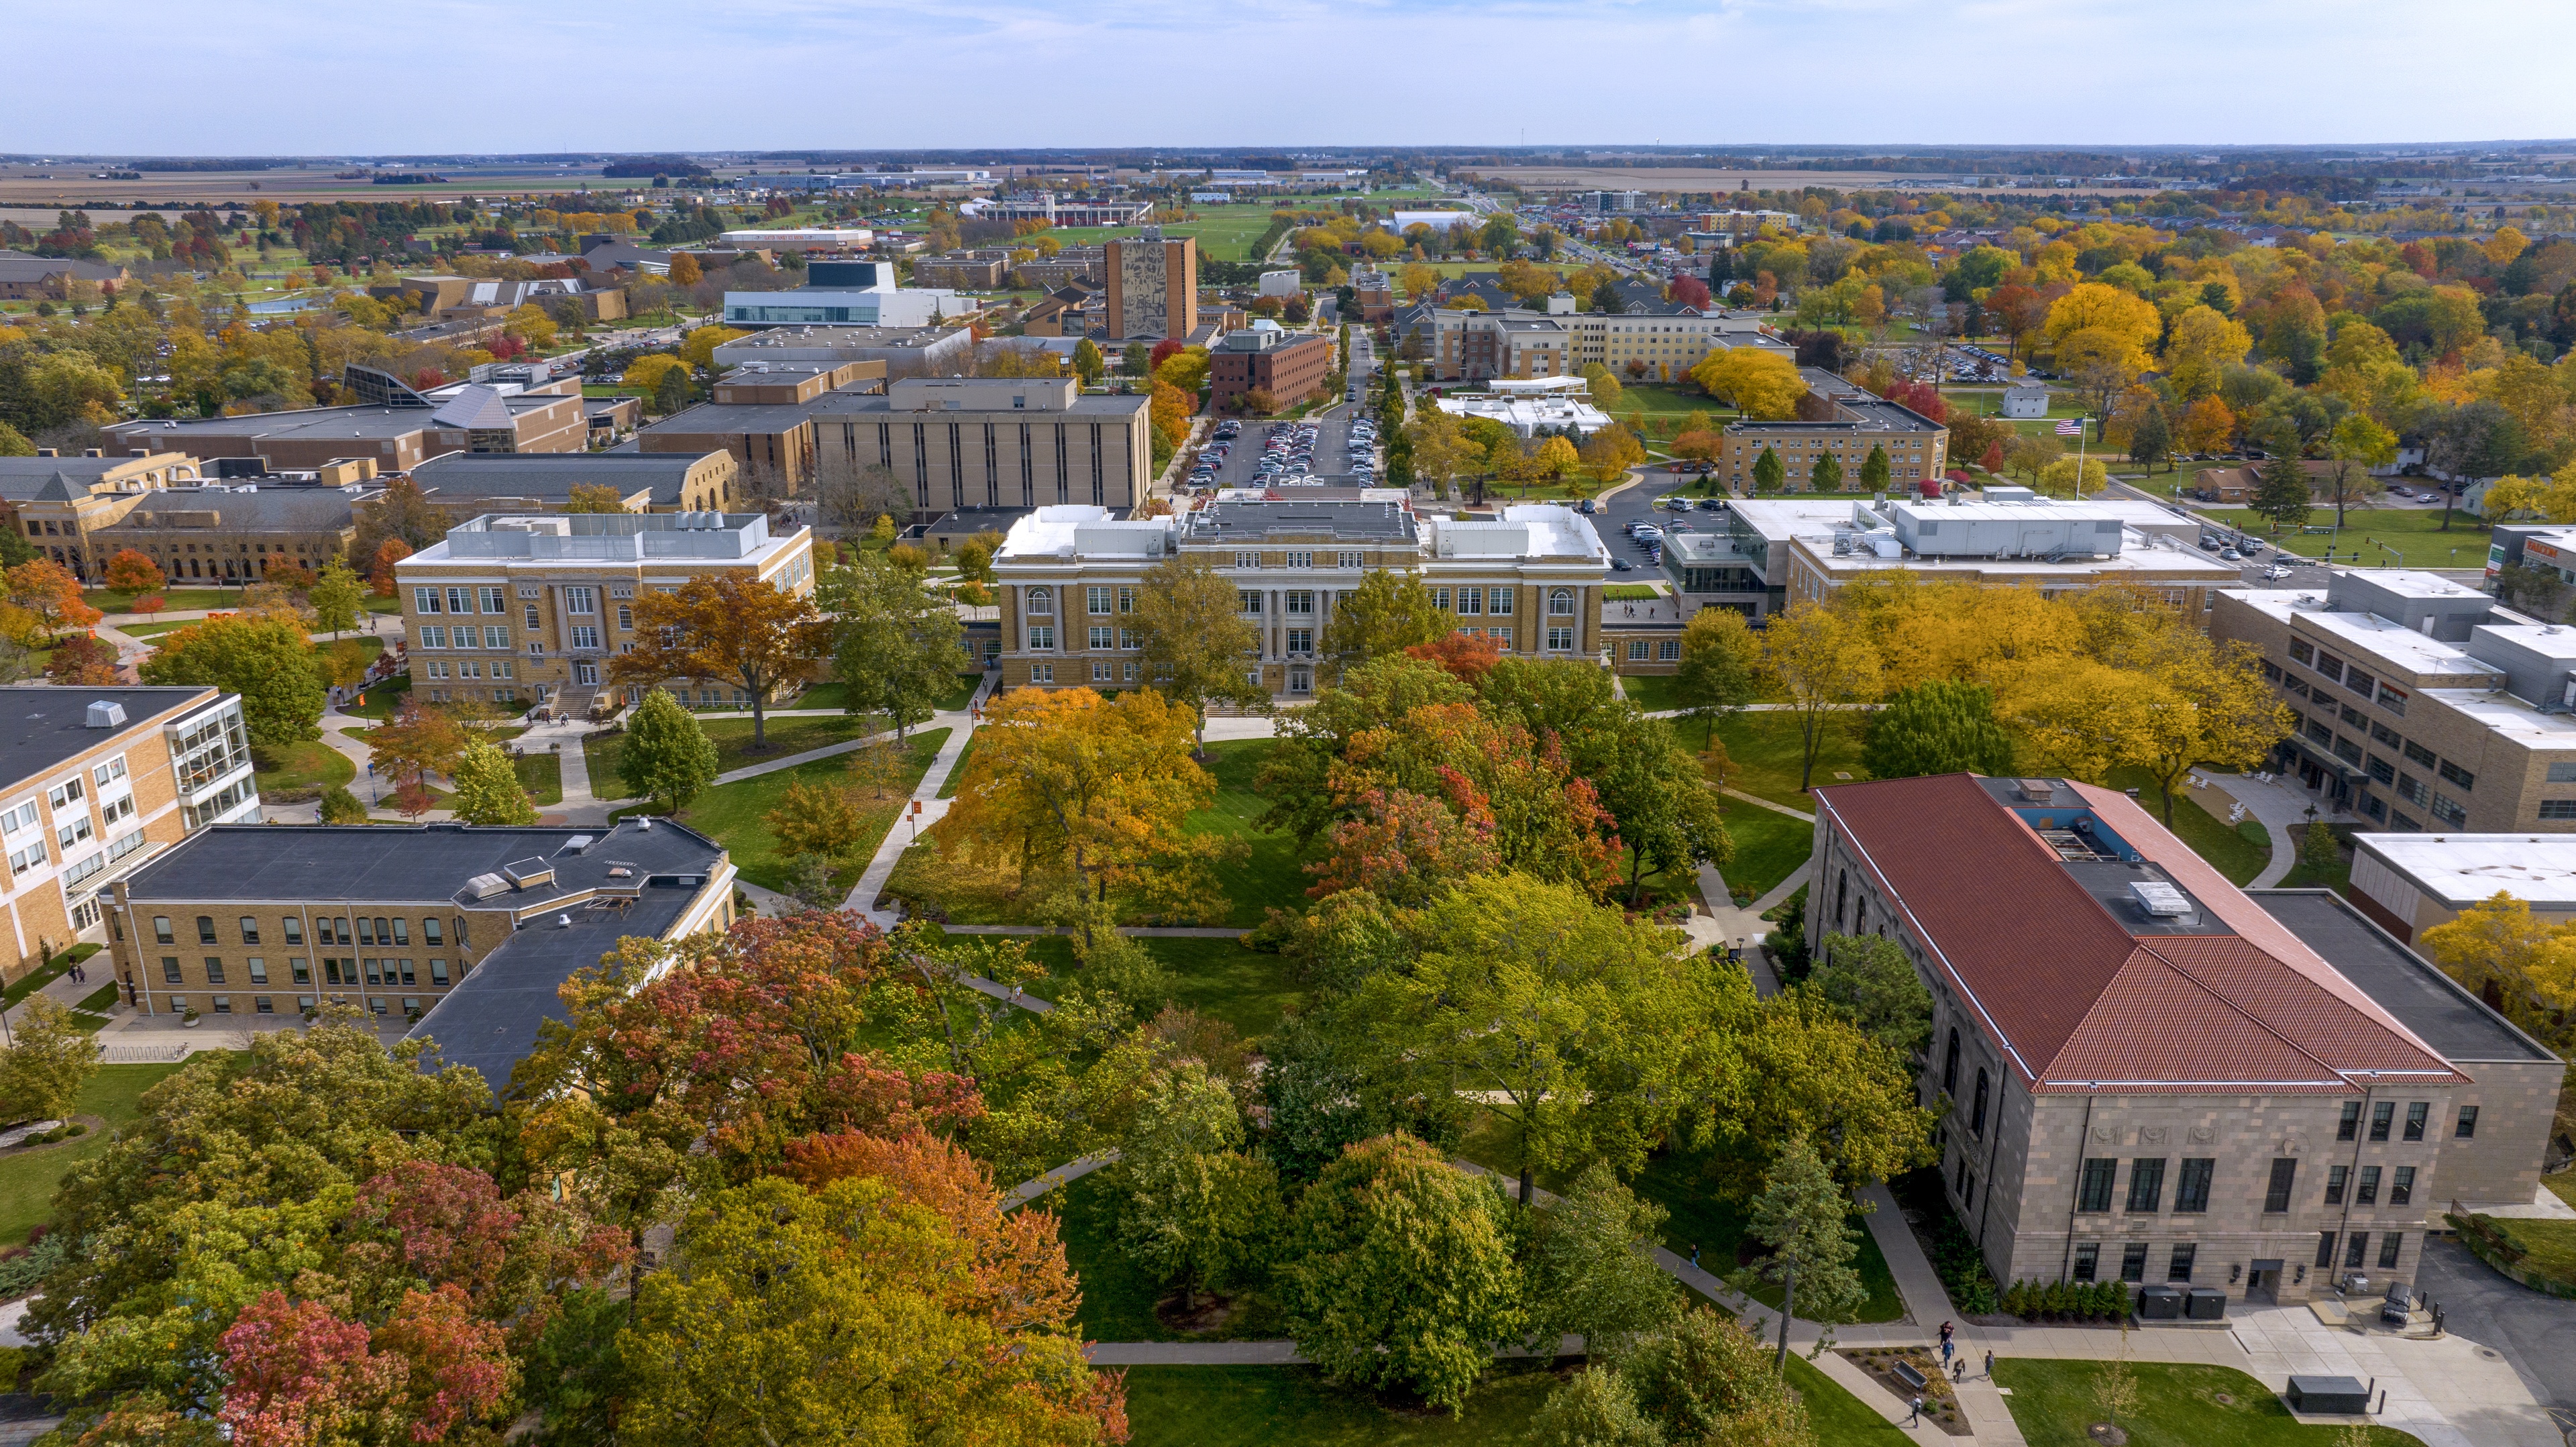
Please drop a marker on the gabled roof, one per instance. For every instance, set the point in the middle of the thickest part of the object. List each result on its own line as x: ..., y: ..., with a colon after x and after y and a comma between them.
x: 2079, y: 997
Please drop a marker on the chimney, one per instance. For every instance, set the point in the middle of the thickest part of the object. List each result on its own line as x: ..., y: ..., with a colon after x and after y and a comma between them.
x: 49, y: 452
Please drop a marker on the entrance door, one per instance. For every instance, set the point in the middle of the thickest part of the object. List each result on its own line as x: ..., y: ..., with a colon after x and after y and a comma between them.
x: 585, y: 673
x: 2263, y: 1282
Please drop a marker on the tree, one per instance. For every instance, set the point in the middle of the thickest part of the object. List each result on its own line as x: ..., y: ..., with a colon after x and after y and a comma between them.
x: 487, y: 788
x: 1800, y: 1217
x: 1721, y: 667
x: 1439, y: 446
x: 269, y: 663
x: 1874, y: 470
x: 1826, y: 475
x: 2356, y: 446
x: 594, y: 497
x: 1827, y: 663
x: 2522, y: 965
x: 1768, y: 471
x: 2150, y: 438
x: 684, y: 270
x: 41, y: 1076
x: 132, y: 572
x: 1088, y: 364
x: 1973, y: 437
x: 416, y: 743
x: 1567, y: 1018
x: 903, y: 1318
x: 1591, y: 1270
x: 82, y: 659
x: 895, y: 645
x: 1593, y: 1408
x: 743, y: 631
x: 815, y: 819
x: 48, y: 590
x: 1397, y: 1273
x: 1656, y: 792
x: 2076, y: 477
x: 2281, y: 494
x: 1196, y: 639
x: 1387, y: 613
x: 1609, y: 452
x: 1760, y: 383
x: 2126, y: 323
x: 1199, y: 1211
x: 339, y: 806
x: 1704, y: 1378
x: 1096, y: 788
x: 1869, y: 978
x: 403, y: 513
x: 1940, y: 726
x: 335, y: 598
x: 380, y: 566
x: 667, y: 757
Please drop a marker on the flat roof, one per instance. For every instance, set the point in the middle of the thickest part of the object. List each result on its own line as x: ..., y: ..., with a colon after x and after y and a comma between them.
x: 421, y: 862
x: 2406, y: 985
x: 550, y: 474
x: 2398, y: 644
x: 2462, y: 869
x: 43, y: 725
x: 1245, y: 519
x: 746, y: 417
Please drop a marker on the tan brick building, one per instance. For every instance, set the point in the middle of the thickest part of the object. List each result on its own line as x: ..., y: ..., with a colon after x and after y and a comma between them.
x: 1529, y: 580
x: 63, y: 502
x: 1152, y: 286
x: 763, y: 413
x: 977, y: 442
x: 236, y: 533
x: 99, y: 780
x: 474, y: 928
x: 2152, y: 1077
x: 473, y: 417
x: 530, y: 608
x: 1848, y: 424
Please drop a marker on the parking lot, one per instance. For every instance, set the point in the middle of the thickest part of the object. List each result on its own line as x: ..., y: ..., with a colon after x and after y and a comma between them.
x: 1329, y: 458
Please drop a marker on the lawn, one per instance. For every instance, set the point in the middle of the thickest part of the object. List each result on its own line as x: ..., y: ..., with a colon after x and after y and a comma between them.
x: 1768, y: 846
x: 2377, y: 537
x: 2238, y: 851
x: 2052, y: 1402
x: 27, y: 1181
x: 2564, y: 1184
x: 1653, y: 692
x: 1242, y: 1406
x: 1766, y: 749
x: 731, y: 813
x: 732, y: 738
x: 542, y: 776
x: 1246, y: 988
x: 45, y: 974
x: 1631, y: 592
x: 301, y: 769
x: 2549, y: 1247
x: 381, y: 699
x: 957, y: 770
x: 836, y: 695
x: 178, y: 599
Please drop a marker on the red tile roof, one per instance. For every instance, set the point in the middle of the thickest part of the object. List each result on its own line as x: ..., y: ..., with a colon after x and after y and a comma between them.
x: 2075, y: 997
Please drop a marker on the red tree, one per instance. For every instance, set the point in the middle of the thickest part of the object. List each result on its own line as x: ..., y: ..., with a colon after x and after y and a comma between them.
x: 1164, y: 351
x: 132, y: 572
x: 380, y: 568
x: 150, y: 603
x: 83, y: 659
x: 1467, y: 658
x: 1689, y: 291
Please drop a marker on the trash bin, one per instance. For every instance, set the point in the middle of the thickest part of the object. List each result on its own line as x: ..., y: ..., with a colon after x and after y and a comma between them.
x: 2207, y: 1303
x: 2160, y: 1303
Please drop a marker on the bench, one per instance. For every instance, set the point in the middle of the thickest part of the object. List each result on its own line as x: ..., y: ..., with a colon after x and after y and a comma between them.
x: 1904, y: 1372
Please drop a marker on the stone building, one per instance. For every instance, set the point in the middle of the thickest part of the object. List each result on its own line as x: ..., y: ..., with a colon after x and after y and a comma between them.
x: 235, y: 534
x: 983, y: 442
x: 63, y: 502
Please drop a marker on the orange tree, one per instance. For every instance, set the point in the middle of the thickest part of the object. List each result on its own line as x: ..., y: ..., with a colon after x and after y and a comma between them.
x: 380, y: 566
x: 740, y: 630
x: 48, y: 590
x: 132, y: 572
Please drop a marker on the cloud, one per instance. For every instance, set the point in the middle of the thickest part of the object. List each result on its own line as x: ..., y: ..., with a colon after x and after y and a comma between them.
x: 256, y: 76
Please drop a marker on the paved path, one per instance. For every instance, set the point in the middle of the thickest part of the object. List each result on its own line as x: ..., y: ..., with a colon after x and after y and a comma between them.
x: 1775, y: 808
x: 2281, y: 805
x: 1063, y: 1175
x: 872, y: 880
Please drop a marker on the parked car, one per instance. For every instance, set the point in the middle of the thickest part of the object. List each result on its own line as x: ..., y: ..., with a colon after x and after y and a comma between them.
x: 1622, y: 565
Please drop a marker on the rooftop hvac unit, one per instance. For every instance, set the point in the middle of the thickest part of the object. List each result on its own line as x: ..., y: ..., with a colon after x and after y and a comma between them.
x: 528, y: 873
x: 105, y: 714
x: 2041, y: 790
x: 484, y: 886
x: 2160, y: 900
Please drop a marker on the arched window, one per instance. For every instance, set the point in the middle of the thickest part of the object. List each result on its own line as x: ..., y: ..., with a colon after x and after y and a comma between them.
x: 1041, y: 601
x: 1950, y: 1065
x: 1560, y: 602
x: 1977, y: 1118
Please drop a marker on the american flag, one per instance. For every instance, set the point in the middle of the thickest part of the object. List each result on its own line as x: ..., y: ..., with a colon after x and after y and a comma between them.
x: 2071, y: 428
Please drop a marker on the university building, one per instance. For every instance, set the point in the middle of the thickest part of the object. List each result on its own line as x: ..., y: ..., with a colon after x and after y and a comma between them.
x: 1848, y: 422
x: 1152, y: 286
x: 985, y: 442
x: 63, y: 502
x: 519, y: 607
x: 467, y: 931
x: 2153, y: 1077
x: 99, y: 781
x: 1069, y: 577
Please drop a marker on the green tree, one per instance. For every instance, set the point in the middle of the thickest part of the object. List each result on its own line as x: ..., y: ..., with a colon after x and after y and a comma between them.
x: 2281, y: 493
x: 1799, y: 1217
x: 337, y: 597
x: 1590, y: 1268
x: 2319, y: 852
x: 2356, y: 446
x: 1721, y: 668
x: 1826, y: 475
x: 1869, y: 978
x: 1088, y: 364
x: 42, y: 1075
x: 1196, y: 638
x: 1572, y: 1022
x: 268, y: 662
x: 1593, y: 1408
x: 1705, y: 1380
x: 1199, y: 1211
x: 339, y: 806
x: 671, y: 393
x: 1768, y: 471
x: 487, y: 788
x: 814, y: 819
x: 1387, y: 613
x: 1874, y: 470
x: 667, y: 757
x: 1800, y: 1067
x: 896, y: 646
x: 1397, y: 1272
x: 1668, y: 817
x: 2151, y: 438
x: 1941, y: 726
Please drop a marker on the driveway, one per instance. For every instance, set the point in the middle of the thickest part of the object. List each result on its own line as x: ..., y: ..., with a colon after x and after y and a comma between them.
x: 2535, y: 1333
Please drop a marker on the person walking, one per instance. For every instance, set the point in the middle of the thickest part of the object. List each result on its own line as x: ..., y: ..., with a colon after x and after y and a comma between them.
x: 1694, y: 1254
x: 1918, y: 1413
x: 1990, y: 1366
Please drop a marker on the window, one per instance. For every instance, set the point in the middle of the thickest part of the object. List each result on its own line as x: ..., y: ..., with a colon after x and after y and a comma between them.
x: 2336, y: 1177
x: 1560, y: 640
x: 2093, y: 1194
x: 1950, y: 1065
x: 491, y: 599
x: 585, y: 635
x: 1637, y: 650
x: 433, y: 637
x: 1498, y: 601
x: 2329, y: 665
x: 581, y: 602
x: 1095, y: 601
x: 109, y: 772
x: 2419, y: 754
x: 2416, y: 1115
x: 2325, y: 1249
x: 2191, y: 1188
x: 161, y: 929
x: 460, y: 600
x: 170, y: 969
x: 1669, y: 651
x: 1041, y: 673
x: 1041, y: 601
x: 2133, y: 1261
x: 257, y: 969
x: 1042, y: 637
x: 223, y: 1004
x: 2558, y: 808
x: 2357, y: 1250
x: 2392, y: 699
x: 366, y: 930
x: 2349, y: 1127
x: 2562, y: 773
x: 2466, y: 1127
x: 2382, y: 770
x: 2285, y: 1178
x: 2453, y: 773
x: 1977, y: 1121
x: 1470, y: 601
x: 214, y: 969
x: 532, y: 616
x: 429, y: 932
x: 426, y: 600
x: 2146, y: 1184
x: 1247, y: 601
x: 294, y: 925
x: 1247, y: 560
x: 2088, y: 1260
x: 205, y: 929
x: 249, y: 930
x: 438, y: 973
x: 1301, y: 640
x: 1301, y: 560
x: 2382, y: 1116
x: 2391, y: 1246
x: 2367, y: 1193
x: 2401, y: 1187
x: 2302, y: 652
x: 1349, y: 560
x: 1300, y: 604
x: 1100, y: 672
x: 2179, y: 1269
x: 625, y: 620
x: 1560, y: 602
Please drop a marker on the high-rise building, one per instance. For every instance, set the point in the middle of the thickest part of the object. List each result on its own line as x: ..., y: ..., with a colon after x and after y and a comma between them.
x: 1153, y: 287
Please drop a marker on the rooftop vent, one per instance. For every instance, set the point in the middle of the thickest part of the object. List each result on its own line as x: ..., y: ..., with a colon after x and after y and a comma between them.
x: 106, y: 715
x: 563, y: 921
x: 484, y: 886
x: 526, y: 873
x: 575, y: 845
x: 2158, y: 899
x: 2042, y: 790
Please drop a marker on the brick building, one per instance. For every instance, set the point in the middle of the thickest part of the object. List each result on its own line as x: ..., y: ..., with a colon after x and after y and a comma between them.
x: 473, y: 417
x: 1152, y: 286
x: 1289, y: 366
x: 62, y: 503
x: 970, y: 442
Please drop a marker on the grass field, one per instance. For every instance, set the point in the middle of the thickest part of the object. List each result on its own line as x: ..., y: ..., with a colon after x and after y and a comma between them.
x: 2238, y: 851
x: 1225, y: 233
x: 732, y: 738
x: 305, y: 766
x: 1246, y: 988
x: 542, y: 776
x: 2377, y: 537
x: 1654, y: 692
x: 109, y: 601
x: 1766, y: 750
x: 381, y: 699
x: 1244, y: 1406
x: 1768, y: 845
x: 27, y: 1181
x: 731, y: 813
x: 836, y: 695
x: 2052, y: 1402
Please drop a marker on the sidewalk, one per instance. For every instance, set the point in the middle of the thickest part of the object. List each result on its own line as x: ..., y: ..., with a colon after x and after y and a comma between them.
x: 872, y: 880
x: 2280, y: 805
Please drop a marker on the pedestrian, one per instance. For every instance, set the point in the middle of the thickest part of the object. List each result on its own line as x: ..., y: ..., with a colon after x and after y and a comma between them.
x: 1694, y: 1253
x: 1946, y: 1329
x: 1990, y: 1366
x: 1918, y: 1413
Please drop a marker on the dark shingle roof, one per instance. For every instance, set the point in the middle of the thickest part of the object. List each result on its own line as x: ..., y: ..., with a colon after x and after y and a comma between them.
x: 41, y: 725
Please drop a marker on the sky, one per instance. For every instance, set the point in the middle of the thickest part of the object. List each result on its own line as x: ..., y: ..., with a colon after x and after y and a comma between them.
x: 263, y: 77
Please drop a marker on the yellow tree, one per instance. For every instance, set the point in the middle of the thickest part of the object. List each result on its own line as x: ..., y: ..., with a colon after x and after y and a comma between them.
x: 1554, y: 458
x: 2083, y: 718
x: 1762, y: 384
x: 1440, y: 446
x: 2518, y: 962
x: 1827, y: 662
x: 2207, y: 426
x: 1098, y: 789
x: 2125, y: 317
x: 728, y: 628
x: 2203, y: 345
x: 2214, y: 710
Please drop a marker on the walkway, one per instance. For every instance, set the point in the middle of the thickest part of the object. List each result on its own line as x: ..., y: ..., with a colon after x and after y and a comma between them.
x: 2280, y: 805
x: 872, y: 880
x: 1063, y: 1175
